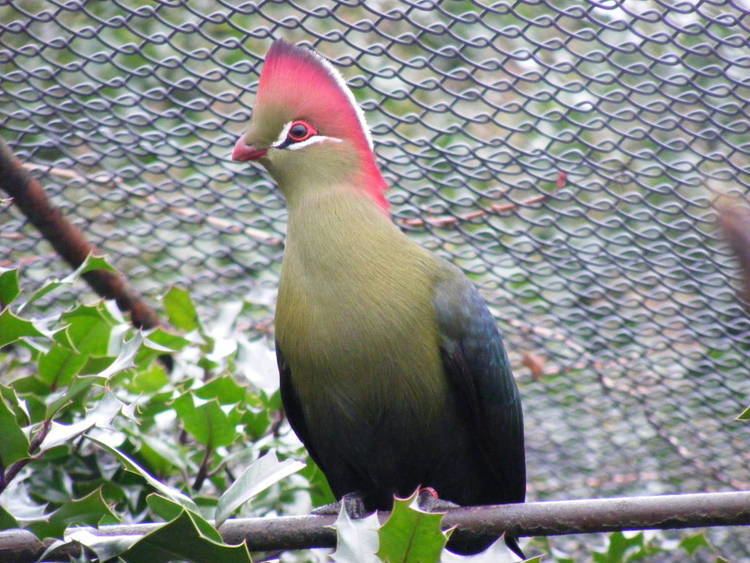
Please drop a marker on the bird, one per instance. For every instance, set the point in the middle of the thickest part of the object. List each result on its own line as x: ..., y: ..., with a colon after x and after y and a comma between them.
x: 393, y: 373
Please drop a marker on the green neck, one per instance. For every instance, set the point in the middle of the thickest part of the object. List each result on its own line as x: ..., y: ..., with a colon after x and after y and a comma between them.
x: 339, y: 235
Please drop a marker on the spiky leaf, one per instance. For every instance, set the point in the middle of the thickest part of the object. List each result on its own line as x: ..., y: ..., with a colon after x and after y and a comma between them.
x: 13, y: 327
x: 356, y: 540
x: 14, y: 444
x: 183, y: 539
x: 206, y: 421
x: 411, y: 535
x: 59, y: 365
x: 263, y: 473
x: 9, y: 286
x: 85, y: 510
x: 181, y: 309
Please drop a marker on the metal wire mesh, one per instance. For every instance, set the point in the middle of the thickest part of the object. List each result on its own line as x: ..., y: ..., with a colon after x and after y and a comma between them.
x: 611, y: 125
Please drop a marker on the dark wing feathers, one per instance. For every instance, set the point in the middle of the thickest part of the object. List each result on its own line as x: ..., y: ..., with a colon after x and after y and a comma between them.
x: 478, y: 368
x: 292, y: 407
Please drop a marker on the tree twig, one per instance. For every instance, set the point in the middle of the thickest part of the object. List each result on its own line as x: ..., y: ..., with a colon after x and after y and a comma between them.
x: 67, y: 239
x: 734, y: 218
x: 473, y: 524
x: 494, y: 209
x: 203, y: 469
x: 7, y: 475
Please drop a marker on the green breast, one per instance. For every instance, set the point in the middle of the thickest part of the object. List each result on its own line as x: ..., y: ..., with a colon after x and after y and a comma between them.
x: 355, y: 317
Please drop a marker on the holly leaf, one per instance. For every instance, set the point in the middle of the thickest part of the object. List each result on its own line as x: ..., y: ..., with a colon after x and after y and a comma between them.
x: 260, y: 475
x: 224, y: 389
x: 9, y: 286
x: 356, y: 540
x: 169, y: 492
x: 694, y: 542
x: 89, y: 329
x: 411, y: 535
x: 125, y: 358
x: 106, y: 548
x: 148, y: 380
x: 59, y: 365
x: 91, y: 263
x: 99, y: 416
x: 14, y: 444
x: 206, y: 421
x: 184, y: 539
x: 163, y: 507
x: 181, y: 309
x: 13, y: 327
x: 6, y: 520
x: 498, y: 552
x: 85, y: 510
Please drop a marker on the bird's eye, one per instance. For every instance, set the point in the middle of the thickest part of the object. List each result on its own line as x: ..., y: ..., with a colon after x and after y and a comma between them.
x: 300, y: 131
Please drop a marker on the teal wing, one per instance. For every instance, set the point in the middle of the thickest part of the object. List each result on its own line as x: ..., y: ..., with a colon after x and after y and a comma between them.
x: 477, y: 366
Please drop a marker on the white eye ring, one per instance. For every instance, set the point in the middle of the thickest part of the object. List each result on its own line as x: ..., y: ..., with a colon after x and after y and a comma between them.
x: 282, y: 139
x: 312, y: 141
x: 282, y: 136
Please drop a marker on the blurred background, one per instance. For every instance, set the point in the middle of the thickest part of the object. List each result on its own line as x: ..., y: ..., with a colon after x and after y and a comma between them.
x: 565, y: 154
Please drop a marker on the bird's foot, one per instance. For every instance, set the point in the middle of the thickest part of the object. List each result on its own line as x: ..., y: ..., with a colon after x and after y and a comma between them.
x: 327, y: 509
x: 429, y: 501
x: 353, y: 503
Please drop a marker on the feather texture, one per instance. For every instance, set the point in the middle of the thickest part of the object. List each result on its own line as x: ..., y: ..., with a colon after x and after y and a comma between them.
x: 394, y: 370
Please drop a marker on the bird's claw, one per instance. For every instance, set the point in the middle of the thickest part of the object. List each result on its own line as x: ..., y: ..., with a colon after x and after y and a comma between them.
x: 353, y: 503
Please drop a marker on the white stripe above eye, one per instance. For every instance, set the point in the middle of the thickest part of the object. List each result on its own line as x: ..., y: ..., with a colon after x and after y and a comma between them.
x: 282, y: 136
x: 312, y: 141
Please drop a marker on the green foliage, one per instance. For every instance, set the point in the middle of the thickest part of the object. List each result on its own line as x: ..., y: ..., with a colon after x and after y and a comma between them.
x: 188, y: 537
x: 89, y: 509
x: 14, y: 444
x: 627, y: 547
x: 257, y: 477
x: 96, y: 431
x: 411, y: 535
x: 13, y: 328
x: 356, y: 540
x: 181, y: 309
x: 9, y: 286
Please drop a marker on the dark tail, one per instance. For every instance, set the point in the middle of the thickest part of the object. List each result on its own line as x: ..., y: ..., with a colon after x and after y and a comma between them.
x: 512, y: 543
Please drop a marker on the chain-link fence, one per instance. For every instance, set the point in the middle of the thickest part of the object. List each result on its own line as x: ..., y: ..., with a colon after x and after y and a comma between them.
x: 611, y: 126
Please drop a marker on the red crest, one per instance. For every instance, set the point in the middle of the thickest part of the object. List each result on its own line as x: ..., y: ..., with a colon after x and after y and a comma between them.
x: 299, y: 78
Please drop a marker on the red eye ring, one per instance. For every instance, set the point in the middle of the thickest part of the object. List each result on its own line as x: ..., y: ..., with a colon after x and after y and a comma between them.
x: 300, y: 131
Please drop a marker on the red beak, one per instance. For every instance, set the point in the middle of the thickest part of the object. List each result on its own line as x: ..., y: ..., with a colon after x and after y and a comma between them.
x: 243, y: 152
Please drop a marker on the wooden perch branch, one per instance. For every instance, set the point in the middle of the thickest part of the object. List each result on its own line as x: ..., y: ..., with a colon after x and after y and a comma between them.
x: 67, y: 239
x: 472, y: 523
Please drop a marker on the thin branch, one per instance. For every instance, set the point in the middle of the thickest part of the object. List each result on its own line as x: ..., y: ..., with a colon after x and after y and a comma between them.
x: 734, y: 218
x: 203, y: 469
x: 67, y: 239
x: 15, y: 468
x: 473, y: 524
x: 221, y: 224
x: 494, y: 209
